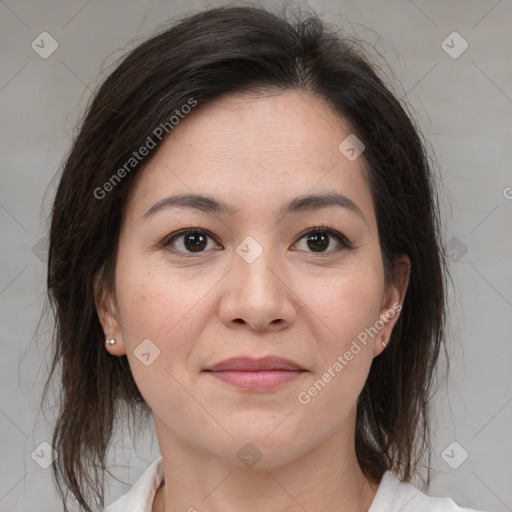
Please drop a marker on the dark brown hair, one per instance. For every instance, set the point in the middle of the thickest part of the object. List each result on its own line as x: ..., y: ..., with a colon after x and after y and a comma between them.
x: 205, y: 56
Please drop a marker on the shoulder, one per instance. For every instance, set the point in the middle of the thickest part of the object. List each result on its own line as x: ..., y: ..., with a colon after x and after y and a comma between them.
x: 141, y: 495
x: 393, y: 495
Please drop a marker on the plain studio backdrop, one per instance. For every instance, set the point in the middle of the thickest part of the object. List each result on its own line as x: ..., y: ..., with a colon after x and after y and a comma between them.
x: 450, y: 62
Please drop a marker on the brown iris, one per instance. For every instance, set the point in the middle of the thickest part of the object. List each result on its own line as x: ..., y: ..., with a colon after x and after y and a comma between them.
x: 195, y: 242
x: 321, y: 241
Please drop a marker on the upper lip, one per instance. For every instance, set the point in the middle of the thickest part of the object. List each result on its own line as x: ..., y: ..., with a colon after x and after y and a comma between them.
x: 250, y: 364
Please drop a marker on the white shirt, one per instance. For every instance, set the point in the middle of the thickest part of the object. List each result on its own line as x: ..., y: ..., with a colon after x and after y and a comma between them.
x: 392, y: 495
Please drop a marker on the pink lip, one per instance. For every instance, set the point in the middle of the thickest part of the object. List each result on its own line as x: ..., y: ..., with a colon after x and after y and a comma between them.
x: 256, y: 374
x: 249, y: 364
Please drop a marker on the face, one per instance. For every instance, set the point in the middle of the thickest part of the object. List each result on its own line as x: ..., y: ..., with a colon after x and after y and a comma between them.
x: 270, y: 273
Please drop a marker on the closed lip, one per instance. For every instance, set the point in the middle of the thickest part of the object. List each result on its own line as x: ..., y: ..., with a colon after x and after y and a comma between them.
x: 250, y: 364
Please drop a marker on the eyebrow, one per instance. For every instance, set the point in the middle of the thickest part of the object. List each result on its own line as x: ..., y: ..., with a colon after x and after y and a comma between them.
x: 214, y: 206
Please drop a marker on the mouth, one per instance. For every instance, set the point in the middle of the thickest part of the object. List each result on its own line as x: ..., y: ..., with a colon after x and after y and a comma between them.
x: 256, y: 374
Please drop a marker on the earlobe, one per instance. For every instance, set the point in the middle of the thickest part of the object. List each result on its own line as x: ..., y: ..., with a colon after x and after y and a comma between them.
x: 108, y: 317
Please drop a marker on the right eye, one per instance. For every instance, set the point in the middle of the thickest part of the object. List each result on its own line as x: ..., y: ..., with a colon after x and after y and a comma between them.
x: 189, y: 241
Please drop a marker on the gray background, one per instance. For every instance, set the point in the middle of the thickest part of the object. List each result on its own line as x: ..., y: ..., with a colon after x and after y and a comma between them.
x: 463, y: 106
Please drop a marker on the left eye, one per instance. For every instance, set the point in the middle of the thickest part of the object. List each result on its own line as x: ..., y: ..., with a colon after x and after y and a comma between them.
x: 319, y: 239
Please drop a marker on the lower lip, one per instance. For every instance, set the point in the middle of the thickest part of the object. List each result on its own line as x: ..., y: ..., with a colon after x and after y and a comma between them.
x: 259, y: 380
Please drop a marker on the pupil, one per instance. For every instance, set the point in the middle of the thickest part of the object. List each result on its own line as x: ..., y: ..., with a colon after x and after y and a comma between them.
x: 195, y: 241
x: 321, y: 242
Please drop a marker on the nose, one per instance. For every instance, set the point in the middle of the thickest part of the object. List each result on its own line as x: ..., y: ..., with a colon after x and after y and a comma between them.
x: 258, y: 295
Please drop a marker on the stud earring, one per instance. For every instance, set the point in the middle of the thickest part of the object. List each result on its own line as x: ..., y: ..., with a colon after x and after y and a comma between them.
x: 110, y: 342
x: 384, y: 341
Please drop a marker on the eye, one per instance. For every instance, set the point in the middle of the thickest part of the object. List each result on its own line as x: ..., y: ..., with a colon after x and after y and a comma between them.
x: 195, y: 241
x: 319, y: 239
x: 189, y: 241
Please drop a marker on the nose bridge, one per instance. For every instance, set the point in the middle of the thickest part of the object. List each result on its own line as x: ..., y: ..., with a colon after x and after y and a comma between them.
x: 256, y: 294
x: 255, y: 261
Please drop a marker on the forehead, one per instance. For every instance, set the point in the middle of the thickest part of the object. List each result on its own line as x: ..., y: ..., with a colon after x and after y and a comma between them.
x: 252, y: 150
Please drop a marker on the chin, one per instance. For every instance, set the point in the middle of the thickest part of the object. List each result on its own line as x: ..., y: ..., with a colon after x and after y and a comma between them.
x: 262, y: 447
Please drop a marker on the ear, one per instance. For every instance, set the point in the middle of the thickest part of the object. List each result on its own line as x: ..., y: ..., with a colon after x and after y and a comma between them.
x: 393, y: 300
x: 108, y: 315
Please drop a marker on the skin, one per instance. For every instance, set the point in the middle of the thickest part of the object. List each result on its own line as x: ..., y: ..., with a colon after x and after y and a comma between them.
x: 254, y: 153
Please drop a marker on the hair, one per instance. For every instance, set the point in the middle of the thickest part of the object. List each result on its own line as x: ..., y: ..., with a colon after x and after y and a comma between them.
x: 205, y: 56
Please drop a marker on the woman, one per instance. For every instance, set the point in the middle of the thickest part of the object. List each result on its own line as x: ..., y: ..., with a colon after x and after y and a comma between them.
x: 245, y: 245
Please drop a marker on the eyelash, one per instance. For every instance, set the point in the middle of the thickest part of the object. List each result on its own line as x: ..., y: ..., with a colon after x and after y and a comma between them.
x: 342, y: 240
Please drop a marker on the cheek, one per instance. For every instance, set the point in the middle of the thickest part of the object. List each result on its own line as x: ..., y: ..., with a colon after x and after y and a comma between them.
x: 159, y: 304
x: 163, y: 313
x: 347, y: 307
x: 347, y: 302
x: 169, y: 311
x: 154, y: 301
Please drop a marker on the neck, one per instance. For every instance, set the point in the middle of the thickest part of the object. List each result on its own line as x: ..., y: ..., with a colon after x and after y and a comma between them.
x: 327, y: 478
